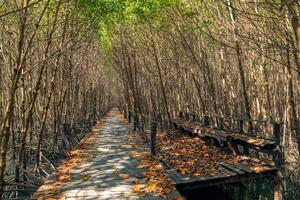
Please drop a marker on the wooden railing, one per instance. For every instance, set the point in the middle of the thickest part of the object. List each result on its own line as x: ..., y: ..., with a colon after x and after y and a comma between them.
x: 266, y: 129
x: 270, y: 133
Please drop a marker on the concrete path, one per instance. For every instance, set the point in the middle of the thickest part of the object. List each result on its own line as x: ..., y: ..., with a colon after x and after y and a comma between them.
x: 99, y: 177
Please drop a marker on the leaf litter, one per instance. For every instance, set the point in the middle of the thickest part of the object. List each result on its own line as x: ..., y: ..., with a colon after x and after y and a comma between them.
x: 52, y: 188
x: 154, y: 180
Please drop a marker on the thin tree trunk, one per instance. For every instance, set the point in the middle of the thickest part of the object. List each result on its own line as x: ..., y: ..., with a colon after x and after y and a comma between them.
x: 5, y: 128
x: 157, y: 61
x: 36, y: 92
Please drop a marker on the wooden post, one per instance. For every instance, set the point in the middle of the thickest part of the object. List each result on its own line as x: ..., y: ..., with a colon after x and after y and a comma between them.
x: 277, y: 152
x: 220, y: 122
x: 279, y: 163
x: 125, y: 113
x: 193, y: 117
x: 234, y: 146
x: 180, y: 114
x: 241, y: 126
x: 246, y: 150
x: 90, y: 122
x: 241, y: 130
x: 65, y: 139
x: 66, y: 130
x: 159, y: 119
x: 206, y: 121
x: 129, y: 116
x: 153, y: 138
x: 277, y: 132
x: 135, y: 123
x: 187, y: 116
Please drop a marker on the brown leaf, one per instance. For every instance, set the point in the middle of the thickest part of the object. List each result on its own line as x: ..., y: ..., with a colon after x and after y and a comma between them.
x: 124, y: 176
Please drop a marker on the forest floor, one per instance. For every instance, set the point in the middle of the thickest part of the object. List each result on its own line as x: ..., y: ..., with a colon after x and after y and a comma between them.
x: 111, y: 163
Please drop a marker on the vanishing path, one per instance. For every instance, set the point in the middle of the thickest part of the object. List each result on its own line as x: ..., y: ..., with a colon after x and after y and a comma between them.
x: 99, y: 177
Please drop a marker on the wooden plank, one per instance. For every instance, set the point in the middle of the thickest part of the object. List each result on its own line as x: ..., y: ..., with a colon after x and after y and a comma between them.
x: 189, y: 130
x: 220, y: 134
x: 175, y: 125
x: 231, y: 168
x: 212, y: 135
x: 242, y: 167
x: 164, y: 164
x: 186, y: 179
x: 217, y: 137
x: 170, y: 137
x: 190, y: 184
x: 264, y: 147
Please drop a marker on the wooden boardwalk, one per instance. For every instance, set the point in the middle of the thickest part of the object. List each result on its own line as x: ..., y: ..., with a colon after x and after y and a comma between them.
x: 108, y: 167
x: 243, y: 169
x: 114, y: 163
x: 201, y: 153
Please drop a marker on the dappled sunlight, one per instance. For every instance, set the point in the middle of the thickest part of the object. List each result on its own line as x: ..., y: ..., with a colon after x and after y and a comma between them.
x: 103, y: 149
x: 111, y: 171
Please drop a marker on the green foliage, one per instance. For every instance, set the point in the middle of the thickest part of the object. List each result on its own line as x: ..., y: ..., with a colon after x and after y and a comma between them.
x: 105, y: 40
x: 108, y: 15
x: 116, y: 11
x: 190, y: 14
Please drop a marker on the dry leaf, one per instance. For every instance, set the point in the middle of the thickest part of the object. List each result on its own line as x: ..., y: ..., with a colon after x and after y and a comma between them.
x: 124, y: 176
x: 152, y: 186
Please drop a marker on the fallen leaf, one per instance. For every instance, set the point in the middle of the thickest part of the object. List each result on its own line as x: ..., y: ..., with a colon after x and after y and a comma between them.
x: 152, y: 186
x: 124, y: 176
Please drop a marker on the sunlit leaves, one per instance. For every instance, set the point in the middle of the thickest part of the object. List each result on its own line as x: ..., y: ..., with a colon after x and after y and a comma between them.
x: 157, y: 181
x: 154, y: 179
x: 192, y: 156
x: 120, y: 10
x: 52, y: 188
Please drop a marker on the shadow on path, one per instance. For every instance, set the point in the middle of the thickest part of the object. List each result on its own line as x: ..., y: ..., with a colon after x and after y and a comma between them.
x: 99, y: 177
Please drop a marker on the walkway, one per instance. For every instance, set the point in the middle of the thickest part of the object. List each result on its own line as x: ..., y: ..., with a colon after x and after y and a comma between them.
x: 111, y: 172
